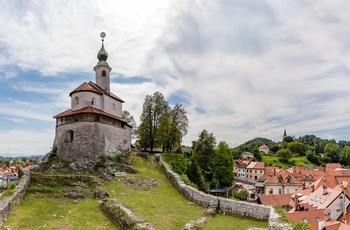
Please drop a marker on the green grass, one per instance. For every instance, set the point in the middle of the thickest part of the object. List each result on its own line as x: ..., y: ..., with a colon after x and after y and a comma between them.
x: 162, y: 206
x: 45, y: 213
x: 229, y: 222
x: 297, y: 161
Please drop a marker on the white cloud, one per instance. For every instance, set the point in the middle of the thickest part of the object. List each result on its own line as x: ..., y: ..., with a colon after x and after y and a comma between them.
x: 244, y: 69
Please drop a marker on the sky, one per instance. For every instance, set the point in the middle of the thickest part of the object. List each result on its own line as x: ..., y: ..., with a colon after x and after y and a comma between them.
x: 241, y: 69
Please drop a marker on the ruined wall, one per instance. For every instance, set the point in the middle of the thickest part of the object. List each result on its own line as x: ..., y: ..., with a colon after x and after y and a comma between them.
x: 8, y: 204
x: 90, y: 140
x: 225, y: 205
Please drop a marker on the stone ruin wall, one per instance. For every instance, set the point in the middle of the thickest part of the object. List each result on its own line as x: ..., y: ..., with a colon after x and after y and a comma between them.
x: 227, y: 206
x: 8, y: 204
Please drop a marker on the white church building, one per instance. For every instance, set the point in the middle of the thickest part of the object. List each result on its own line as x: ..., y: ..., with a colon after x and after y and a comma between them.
x: 93, y: 126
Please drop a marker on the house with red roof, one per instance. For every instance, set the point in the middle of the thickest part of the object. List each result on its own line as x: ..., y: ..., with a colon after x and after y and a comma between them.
x: 255, y: 170
x: 93, y: 126
x: 264, y: 149
x: 281, y: 183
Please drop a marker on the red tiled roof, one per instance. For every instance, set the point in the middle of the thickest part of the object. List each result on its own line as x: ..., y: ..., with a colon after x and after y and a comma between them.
x: 263, y: 147
x: 332, y: 166
x: 275, y: 199
x: 283, y: 173
x: 319, y: 200
x: 86, y: 87
x: 93, y: 87
x: 88, y: 109
x: 310, y: 216
x: 256, y: 165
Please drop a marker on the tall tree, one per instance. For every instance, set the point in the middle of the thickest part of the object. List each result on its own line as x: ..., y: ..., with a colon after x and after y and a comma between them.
x: 195, y: 175
x: 130, y: 120
x: 174, y: 127
x: 154, y: 111
x: 204, y: 149
x: 222, y: 165
x: 284, y: 155
x: 332, y: 150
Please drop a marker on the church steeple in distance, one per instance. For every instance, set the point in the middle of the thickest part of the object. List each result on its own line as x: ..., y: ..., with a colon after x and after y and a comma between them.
x: 102, y: 68
x: 285, y: 132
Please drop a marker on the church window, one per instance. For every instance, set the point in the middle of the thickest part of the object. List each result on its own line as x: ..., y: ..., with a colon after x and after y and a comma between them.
x: 69, y: 136
x: 93, y: 101
x: 103, y: 73
x: 76, y: 101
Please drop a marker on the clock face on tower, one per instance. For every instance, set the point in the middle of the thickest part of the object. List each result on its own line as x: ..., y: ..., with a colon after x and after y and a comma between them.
x: 103, y: 35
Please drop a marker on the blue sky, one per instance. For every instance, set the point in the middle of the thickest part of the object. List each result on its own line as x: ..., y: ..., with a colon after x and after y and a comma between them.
x: 242, y: 69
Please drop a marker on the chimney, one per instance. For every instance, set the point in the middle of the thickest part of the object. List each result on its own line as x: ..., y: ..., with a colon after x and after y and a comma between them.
x: 303, y: 186
x: 296, y: 202
x: 274, y: 171
x: 312, y: 188
x: 324, y: 190
x: 271, y: 191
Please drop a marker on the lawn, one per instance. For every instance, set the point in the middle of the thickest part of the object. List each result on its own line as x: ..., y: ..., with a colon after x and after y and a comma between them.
x: 297, y: 161
x: 164, y: 208
x: 58, y: 213
x: 228, y: 222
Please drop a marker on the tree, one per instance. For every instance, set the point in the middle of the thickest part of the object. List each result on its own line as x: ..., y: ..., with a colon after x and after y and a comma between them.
x: 284, y: 155
x: 345, y: 156
x: 312, y: 157
x: 154, y: 111
x: 203, y: 149
x: 223, y: 165
x: 274, y: 148
x: 195, y: 176
x: 130, y: 120
x: 173, y: 128
x: 332, y: 150
x: 297, y: 148
x: 287, y: 139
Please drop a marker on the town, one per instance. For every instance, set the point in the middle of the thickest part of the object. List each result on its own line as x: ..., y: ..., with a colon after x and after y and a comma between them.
x: 315, y: 195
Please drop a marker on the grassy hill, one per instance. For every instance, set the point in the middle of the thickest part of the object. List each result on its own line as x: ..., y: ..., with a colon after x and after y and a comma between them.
x: 297, y: 161
x: 148, y: 193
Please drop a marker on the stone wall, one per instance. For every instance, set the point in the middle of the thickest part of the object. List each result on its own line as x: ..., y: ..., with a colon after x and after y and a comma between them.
x: 224, y: 205
x: 8, y: 204
x: 90, y: 140
x: 125, y: 217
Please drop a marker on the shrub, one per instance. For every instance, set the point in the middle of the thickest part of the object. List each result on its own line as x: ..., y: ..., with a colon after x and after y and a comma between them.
x: 177, y: 162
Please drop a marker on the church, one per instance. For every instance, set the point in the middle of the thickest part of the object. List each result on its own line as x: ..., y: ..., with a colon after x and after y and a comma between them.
x: 93, y: 126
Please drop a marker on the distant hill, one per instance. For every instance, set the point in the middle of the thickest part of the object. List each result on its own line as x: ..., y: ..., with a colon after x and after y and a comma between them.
x: 255, y: 144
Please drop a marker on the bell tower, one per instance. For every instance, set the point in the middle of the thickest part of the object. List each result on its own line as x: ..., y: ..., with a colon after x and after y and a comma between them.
x: 102, y: 68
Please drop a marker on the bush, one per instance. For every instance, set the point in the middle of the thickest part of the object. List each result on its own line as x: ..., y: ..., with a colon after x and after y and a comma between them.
x: 187, y: 181
x: 177, y: 162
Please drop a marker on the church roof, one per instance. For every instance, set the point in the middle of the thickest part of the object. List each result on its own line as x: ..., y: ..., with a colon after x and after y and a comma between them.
x: 93, y: 87
x: 88, y: 109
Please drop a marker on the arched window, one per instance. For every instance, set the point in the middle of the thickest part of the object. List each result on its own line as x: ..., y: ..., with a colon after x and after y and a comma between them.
x: 93, y: 101
x: 76, y: 101
x: 103, y: 73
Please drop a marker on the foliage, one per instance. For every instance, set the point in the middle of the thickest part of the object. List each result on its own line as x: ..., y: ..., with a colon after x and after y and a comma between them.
x: 173, y: 128
x: 242, y: 194
x: 222, y: 165
x: 187, y: 181
x: 101, y: 163
x: 257, y: 156
x: 274, y: 148
x: 287, y: 139
x: 177, y: 162
x: 279, y: 210
x: 203, y: 150
x: 195, y: 175
x: 284, y: 155
x: 160, y: 125
x: 297, y: 148
x: 301, y: 226
x: 312, y: 157
x: 154, y: 111
x: 332, y: 150
x: 130, y: 120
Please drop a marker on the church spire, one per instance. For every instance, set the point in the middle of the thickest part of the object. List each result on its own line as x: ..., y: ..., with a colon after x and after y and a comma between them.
x: 285, y: 132
x: 102, y: 55
x: 102, y: 68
